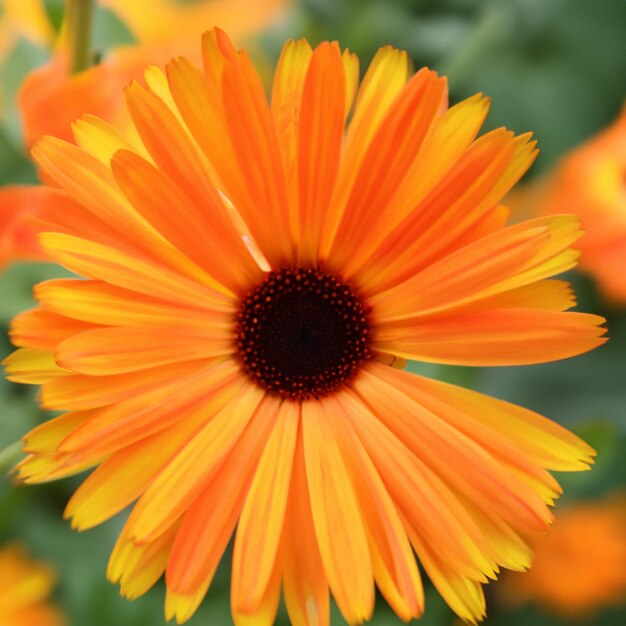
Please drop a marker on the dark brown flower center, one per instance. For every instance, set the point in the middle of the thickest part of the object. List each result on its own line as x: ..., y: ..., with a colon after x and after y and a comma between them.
x: 302, y: 334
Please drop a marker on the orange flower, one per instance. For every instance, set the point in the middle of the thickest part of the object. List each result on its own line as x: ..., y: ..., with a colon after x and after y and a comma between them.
x: 580, y: 567
x: 591, y: 182
x: 18, y: 206
x: 24, y: 589
x: 51, y: 98
x: 251, y: 270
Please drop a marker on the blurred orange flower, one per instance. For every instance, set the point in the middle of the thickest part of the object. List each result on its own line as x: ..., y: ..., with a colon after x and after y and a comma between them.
x: 25, y: 586
x: 591, y: 182
x: 580, y: 567
x: 18, y: 206
x: 251, y: 268
x: 51, y: 97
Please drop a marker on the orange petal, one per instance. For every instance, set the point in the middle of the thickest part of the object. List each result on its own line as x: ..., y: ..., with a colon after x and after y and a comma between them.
x: 102, y: 140
x: 211, y: 519
x: 41, y: 468
x: 261, y: 523
x: 32, y: 367
x: 351, y: 70
x: 180, y: 483
x: 199, y: 105
x: 91, y: 184
x: 78, y: 392
x: 384, y: 79
x: 96, y: 302
x: 43, y: 330
x: 489, y: 421
x: 264, y: 613
x: 125, y: 422
x: 442, y: 147
x: 288, y: 85
x: 513, y: 156
x: 118, y: 350
x: 508, y: 547
x: 320, y: 136
x: 456, y: 458
x: 217, y: 50
x: 170, y: 145
x: 464, y: 596
x: 461, y: 199
x: 305, y: 585
x: 203, y: 233
x: 510, y: 258
x: 420, y: 494
x: 116, y: 267
x: 256, y: 147
x: 387, y: 161
x: 84, y: 223
x: 112, y: 487
x: 394, y: 565
x: 46, y: 437
x: 498, y: 337
x: 493, y: 220
x: 338, y: 521
x: 550, y: 295
x: 137, y: 567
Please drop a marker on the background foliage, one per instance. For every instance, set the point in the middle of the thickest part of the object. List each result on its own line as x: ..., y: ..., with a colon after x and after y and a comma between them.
x: 556, y: 67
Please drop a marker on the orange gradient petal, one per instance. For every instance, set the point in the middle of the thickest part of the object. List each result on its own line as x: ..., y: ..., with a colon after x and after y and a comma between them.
x: 337, y: 519
x: 262, y: 516
x: 305, y: 585
x: 320, y: 124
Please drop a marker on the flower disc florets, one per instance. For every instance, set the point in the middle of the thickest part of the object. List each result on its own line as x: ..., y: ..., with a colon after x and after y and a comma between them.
x: 302, y: 333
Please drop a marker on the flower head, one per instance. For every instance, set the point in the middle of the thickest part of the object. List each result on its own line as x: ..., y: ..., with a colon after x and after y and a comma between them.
x: 591, y: 182
x: 252, y: 270
x: 580, y: 567
x: 24, y: 589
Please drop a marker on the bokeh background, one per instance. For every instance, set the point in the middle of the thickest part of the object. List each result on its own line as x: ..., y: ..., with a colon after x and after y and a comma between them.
x: 556, y: 67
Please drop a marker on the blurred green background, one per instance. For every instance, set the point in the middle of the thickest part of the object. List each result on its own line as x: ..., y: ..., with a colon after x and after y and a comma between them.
x: 556, y: 67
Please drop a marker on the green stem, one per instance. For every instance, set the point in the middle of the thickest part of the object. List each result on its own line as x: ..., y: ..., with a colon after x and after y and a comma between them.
x: 79, y: 21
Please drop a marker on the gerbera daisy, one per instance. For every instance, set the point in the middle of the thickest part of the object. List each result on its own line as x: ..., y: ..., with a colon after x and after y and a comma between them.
x: 574, y: 577
x: 24, y: 590
x: 254, y: 271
